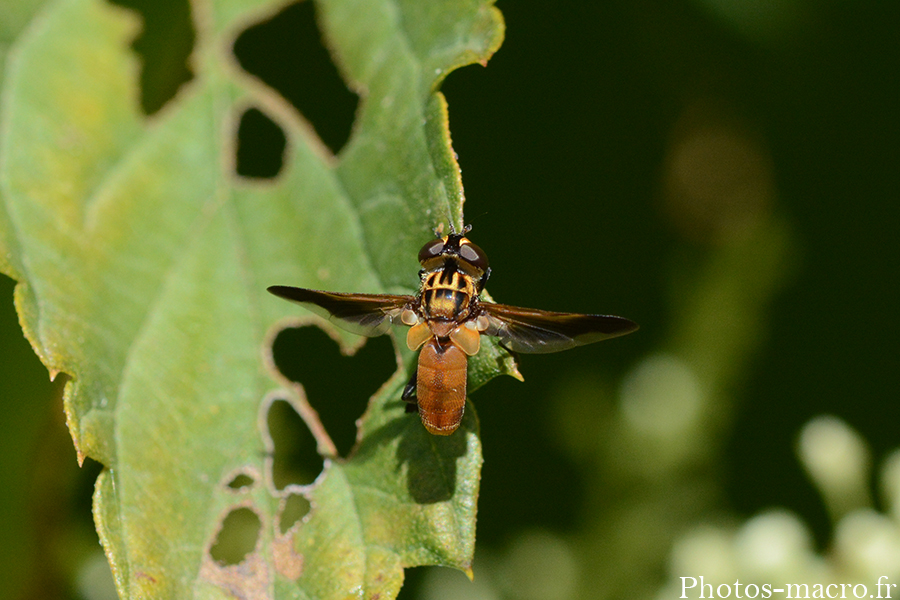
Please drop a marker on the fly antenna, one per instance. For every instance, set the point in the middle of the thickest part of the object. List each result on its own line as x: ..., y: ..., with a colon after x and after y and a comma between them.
x: 481, y: 214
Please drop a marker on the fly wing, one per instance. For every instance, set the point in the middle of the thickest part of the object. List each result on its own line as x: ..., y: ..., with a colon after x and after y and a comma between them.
x: 363, y: 314
x: 533, y: 331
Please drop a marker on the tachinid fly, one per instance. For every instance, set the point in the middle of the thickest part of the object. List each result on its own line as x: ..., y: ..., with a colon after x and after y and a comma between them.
x: 447, y: 319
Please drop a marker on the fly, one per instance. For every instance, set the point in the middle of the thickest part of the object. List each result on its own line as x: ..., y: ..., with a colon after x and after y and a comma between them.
x: 446, y: 320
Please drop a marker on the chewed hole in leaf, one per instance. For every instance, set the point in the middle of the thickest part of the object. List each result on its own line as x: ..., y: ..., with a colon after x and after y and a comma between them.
x: 337, y: 386
x: 295, y: 459
x: 260, y: 146
x: 241, y: 481
x: 164, y: 45
x: 287, y: 53
x: 295, y: 508
x: 237, y: 537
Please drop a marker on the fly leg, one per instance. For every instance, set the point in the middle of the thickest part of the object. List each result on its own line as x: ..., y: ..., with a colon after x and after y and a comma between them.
x: 409, y: 395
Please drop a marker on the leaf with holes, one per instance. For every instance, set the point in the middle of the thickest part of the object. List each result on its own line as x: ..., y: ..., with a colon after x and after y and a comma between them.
x: 142, y: 261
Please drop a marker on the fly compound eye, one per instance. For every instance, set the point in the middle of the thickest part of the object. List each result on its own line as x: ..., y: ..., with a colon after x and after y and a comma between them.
x: 473, y: 255
x: 431, y: 249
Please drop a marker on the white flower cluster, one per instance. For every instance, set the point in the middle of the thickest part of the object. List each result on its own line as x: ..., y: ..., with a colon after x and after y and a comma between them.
x: 776, y: 548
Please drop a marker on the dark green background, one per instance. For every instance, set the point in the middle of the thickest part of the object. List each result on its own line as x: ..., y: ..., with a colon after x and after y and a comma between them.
x: 562, y: 141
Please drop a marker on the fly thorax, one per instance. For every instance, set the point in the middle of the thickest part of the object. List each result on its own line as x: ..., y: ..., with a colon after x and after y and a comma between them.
x: 447, y: 293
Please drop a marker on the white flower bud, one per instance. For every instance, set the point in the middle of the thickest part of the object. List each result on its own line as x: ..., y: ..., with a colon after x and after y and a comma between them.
x: 837, y: 460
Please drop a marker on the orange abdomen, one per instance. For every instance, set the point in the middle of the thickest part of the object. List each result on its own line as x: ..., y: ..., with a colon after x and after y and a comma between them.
x: 441, y: 386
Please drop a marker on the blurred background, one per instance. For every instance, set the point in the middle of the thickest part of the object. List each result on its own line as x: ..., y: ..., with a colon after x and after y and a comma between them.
x: 725, y: 173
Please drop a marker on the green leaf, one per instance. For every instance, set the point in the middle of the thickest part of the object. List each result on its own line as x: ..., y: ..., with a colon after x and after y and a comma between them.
x: 142, y: 262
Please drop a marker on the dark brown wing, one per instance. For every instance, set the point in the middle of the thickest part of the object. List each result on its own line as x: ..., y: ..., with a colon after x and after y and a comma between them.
x: 533, y: 331
x: 362, y: 314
